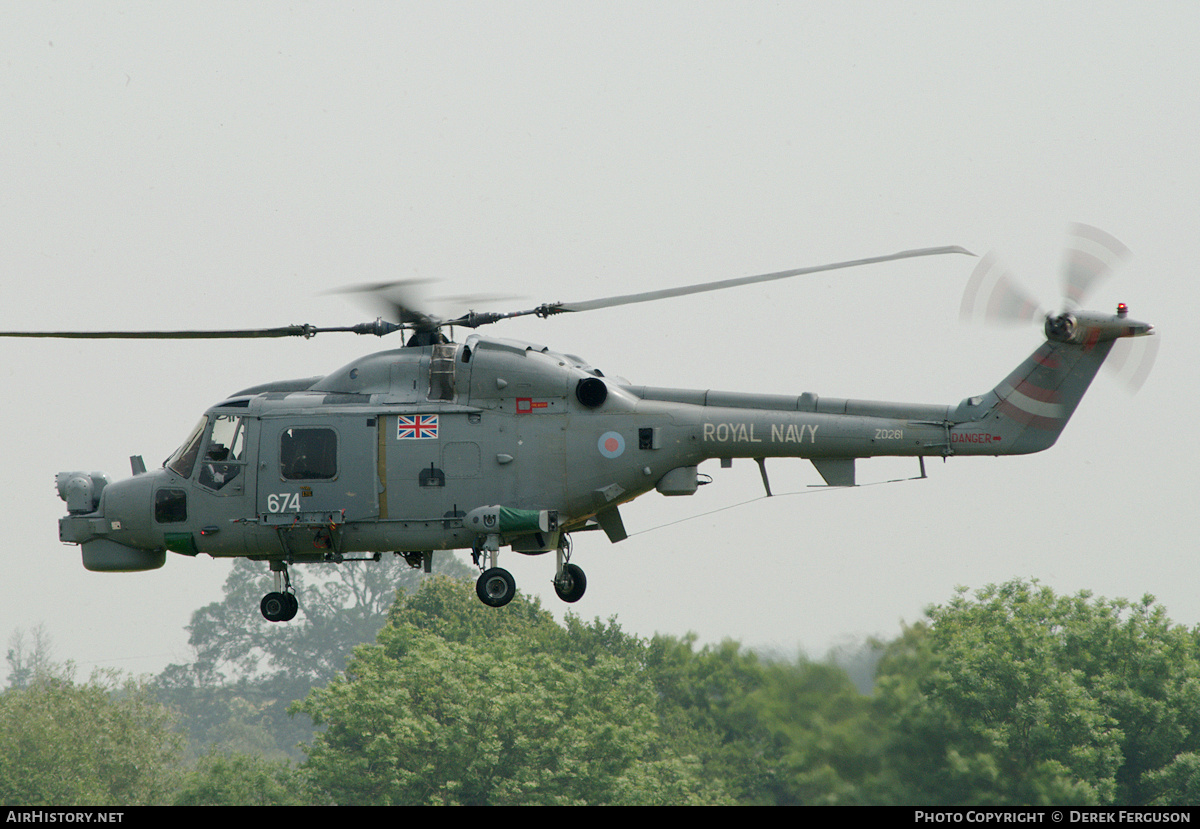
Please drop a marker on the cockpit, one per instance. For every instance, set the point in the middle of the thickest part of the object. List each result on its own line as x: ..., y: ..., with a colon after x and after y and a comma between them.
x: 223, y: 437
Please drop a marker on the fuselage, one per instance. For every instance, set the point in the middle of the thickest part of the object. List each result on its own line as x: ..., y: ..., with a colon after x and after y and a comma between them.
x: 394, y: 451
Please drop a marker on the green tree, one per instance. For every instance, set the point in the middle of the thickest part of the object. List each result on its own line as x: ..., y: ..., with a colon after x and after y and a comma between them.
x: 340, y: 607
x: 1020, y: 696
x: 105, y: 742
x: 776, y: 731
x: 460, y: 703
x: 219, y: 779
x: 29, y: 654
x: 234, y: 694
x: 700, y: 696
x: 830, y: 747
x: 1177, y: 783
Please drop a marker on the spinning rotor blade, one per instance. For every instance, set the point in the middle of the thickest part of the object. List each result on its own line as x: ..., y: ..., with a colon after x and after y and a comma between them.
x: 667, y: 293
x: 469, y: 299
x: 1091, y: 255
x: 378, y: 327
x: 394, y: 301
x: 397, y: 301
x: 993, y: 290
x: 398, y: 307
x: 1131, y: 360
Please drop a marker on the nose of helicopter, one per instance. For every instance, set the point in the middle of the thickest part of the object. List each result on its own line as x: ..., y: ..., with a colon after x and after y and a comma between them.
x: 107, y: 520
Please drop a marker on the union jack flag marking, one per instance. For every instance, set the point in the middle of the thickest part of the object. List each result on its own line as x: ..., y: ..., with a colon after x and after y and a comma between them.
x: 416, y: 427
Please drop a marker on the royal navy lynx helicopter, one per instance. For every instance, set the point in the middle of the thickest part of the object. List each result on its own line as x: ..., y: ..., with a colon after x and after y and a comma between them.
x: 492, y: 443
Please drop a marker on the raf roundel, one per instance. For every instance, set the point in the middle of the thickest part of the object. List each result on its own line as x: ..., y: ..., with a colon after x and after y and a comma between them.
x: 611, y: 445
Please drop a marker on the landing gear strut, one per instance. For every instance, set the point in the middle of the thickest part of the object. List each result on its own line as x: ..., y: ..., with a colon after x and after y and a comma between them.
x: 569, y: 580
x: 280, y: 605
x: 496, y: 586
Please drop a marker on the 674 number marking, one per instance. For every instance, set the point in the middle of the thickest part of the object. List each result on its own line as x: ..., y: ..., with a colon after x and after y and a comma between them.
x: 283, y: 502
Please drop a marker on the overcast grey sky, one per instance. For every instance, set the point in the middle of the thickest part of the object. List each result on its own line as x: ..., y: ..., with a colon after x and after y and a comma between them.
x: 225, y: 164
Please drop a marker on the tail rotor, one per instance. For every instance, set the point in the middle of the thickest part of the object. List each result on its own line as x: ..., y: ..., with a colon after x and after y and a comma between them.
x: 1091, y: 256
x: 993, y: 295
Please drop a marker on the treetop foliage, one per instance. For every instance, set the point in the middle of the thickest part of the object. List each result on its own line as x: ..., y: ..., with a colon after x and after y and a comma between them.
x: 460, y: 704
x: 105, y: 742
x: 1025, y: 696
x: 1010, y: 695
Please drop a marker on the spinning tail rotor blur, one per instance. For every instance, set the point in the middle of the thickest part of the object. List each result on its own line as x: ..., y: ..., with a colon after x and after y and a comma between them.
x: 993, y: 295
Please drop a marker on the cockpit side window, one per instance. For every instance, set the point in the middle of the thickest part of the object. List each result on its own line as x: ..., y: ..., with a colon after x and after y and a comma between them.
x: 184, y: 458
x: 224, y: 459
x: 228, y: 439
x: 308, y: 454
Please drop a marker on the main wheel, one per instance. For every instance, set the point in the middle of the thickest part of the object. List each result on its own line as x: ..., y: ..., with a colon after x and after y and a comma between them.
x: 496, y: 587
x: 293, y: 607
x: 571, y: 584
x: 275, y: 607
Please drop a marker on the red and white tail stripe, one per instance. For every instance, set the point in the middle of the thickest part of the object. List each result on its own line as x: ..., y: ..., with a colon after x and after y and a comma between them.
x: 1033, y: 402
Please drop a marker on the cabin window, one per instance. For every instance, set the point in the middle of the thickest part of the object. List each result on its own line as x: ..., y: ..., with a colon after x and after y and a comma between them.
x: 308, y: 454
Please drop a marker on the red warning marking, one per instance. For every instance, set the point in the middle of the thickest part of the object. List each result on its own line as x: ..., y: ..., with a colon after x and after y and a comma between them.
x: 525, y: 405
x: 972, y: 437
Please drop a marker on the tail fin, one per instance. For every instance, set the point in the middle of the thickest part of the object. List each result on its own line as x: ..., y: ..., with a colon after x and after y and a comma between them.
x: 1031, y: 406
x: 1034, y: 402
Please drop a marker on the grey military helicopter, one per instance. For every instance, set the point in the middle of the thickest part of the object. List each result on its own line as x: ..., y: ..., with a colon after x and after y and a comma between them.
x: 492, y: 443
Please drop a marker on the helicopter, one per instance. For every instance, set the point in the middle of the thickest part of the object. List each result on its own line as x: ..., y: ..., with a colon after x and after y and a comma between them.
x: 492, y: 443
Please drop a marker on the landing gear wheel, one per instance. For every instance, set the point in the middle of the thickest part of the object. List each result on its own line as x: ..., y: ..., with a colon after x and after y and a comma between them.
x: 496, y: 587
x: 279, y: 607
x: 571, y: 584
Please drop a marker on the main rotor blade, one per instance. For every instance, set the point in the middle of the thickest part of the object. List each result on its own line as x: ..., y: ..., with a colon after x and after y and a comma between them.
x: 378, y: 328
x: 667, y: 293
x: 286, y: 331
